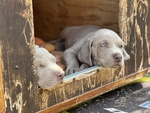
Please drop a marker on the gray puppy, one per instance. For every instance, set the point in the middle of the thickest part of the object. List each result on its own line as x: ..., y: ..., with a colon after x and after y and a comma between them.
x: 90, y: 45
x: 49, y: 73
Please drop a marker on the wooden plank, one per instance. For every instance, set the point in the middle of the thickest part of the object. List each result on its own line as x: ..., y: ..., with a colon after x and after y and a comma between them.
x: 17, y: 45
x: 50, y: 16
x: 73, y: 86
x: 93, y: 93
x: 2, y: 101
x: 134, y: 29
x: 148, y: 31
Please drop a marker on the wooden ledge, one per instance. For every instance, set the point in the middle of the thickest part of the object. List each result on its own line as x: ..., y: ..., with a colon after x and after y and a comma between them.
x: 94, y: 93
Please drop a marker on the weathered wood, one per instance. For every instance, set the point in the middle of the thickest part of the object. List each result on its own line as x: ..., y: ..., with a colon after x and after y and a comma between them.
x: 134, y: 29
x: 17, y: 54
x: 50, y: 16
x: 148, y: 32
x: 2, y: 101
x: 74, y: 86
x: 93, y: 93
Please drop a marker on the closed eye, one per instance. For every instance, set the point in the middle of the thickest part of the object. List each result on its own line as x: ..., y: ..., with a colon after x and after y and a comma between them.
x: 42, y: 64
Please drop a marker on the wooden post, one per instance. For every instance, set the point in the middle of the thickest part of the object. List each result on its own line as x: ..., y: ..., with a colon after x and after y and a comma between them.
x: 134, y: 28
x: 17, y: 57
x: 2, y: 102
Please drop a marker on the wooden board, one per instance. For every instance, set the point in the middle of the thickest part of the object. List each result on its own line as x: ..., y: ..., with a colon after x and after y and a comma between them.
x: 50, y: 16
x: 17, y: 56
x: 2, y: 101
x: 92, y: 93
x: 134, y: 27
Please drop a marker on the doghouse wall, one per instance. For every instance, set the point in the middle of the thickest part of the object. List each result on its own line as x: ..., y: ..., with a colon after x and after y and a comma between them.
x: 50, y: 16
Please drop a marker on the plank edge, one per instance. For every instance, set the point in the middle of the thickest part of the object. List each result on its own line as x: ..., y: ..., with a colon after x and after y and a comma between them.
x: 94, y: 93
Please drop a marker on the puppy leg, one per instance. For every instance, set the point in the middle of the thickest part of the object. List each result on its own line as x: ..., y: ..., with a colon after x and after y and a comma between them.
x: 84, y: 66
x: 71, y: 61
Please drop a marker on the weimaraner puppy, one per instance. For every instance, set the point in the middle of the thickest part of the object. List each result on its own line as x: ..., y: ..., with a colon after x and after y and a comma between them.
x: 90, y: 45
x: 49, y: 73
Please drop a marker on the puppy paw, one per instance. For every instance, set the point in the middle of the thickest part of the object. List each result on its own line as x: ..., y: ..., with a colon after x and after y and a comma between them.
x: 71, y: 71
x: 76, y: 69
x: 84, y: 66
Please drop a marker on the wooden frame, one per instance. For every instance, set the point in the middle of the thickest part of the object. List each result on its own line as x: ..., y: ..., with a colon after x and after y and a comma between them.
x: 19, y: 90
x: 93, y: 92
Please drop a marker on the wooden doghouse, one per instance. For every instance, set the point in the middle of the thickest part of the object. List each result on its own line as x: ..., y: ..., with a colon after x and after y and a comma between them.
x: 19, y: 91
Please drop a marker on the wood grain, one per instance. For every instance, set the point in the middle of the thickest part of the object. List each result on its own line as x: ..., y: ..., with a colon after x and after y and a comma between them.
x: 2, y: 101
x: 93, y: 93
x: 148, y: 32
x: 50, y: 16
x: 134, y: 29
x: 17, y: 53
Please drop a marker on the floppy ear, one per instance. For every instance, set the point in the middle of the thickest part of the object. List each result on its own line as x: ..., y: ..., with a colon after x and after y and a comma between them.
x: 84, y: 55
x: 126, y: 56
x: 40, y: 62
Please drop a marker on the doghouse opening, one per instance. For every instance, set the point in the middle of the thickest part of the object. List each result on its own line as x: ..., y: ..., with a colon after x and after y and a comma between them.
x: 51, y: 16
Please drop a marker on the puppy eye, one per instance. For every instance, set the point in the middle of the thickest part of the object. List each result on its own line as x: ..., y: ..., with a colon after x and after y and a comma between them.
x: 121, y: 46
x: 103, y: 44
x: 42, y: 65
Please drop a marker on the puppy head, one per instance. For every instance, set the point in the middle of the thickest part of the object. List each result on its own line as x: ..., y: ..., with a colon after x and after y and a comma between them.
x: 49, y: 73
x: 105, y: 48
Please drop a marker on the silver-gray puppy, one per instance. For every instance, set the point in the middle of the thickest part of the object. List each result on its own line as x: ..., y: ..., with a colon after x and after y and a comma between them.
x: 49, y: 73
x: 90, y: 45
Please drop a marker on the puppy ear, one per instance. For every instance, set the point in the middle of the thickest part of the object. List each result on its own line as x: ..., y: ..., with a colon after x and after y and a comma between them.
x: 84, y: 55
x: 126, y: 56
x: 40, y: 62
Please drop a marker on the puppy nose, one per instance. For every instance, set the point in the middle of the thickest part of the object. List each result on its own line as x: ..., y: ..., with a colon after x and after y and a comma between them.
x: 117, y: 57
x: 59, y: 74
